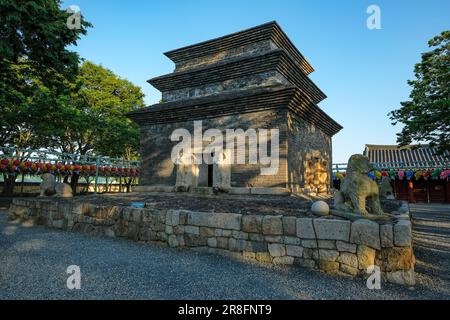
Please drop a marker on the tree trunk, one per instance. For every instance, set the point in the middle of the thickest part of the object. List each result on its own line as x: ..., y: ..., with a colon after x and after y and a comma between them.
x: 74, y: 182
x: 128, y: 184
x: 9, y: 181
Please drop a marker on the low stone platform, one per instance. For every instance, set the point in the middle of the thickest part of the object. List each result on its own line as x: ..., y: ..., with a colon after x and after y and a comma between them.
x: 256, y: 230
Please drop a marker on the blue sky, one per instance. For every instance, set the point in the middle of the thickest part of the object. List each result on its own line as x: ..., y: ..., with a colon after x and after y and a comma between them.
x: 363, y: 72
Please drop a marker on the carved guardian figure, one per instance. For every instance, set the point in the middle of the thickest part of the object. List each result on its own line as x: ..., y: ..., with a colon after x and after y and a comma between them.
x: 49, y: 187
x: 357, y: 192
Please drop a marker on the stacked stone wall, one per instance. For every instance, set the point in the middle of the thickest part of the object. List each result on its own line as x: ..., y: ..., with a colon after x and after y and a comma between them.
x: 329, y: 244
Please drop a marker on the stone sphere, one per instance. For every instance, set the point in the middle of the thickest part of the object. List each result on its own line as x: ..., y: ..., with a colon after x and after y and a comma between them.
x: 320, y: 208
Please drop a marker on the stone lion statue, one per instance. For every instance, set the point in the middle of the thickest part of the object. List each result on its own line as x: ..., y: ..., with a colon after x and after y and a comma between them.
x: 357, y: 189
x: 49, y: 187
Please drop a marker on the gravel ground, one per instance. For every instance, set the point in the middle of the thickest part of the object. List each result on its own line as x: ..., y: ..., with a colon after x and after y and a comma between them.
x: 432, y: 244
x: 33, y: 263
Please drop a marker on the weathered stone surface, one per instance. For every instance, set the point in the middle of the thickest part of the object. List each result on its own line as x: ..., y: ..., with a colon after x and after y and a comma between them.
x: 309, y: 253
x: 169, y: 229
x: 329, y: 266
x: 305, y: 229
x: 402, y: 233
x: 133, y: 231
x: 49, y: 186
x: 172, y: 240
x: 183, y: 214
x: 206, y: 232
x: 307, y: 263
x: 276, y: 249
x: 326, y: 244
x: 222, y: 242
x: 328, y: 255
x: 109, y: 232
x: 230, y: 221
x: 248, y: 255
x: 192, y: 229
x: 396, y: 258
x: 289, y: 226
x: 349, y: 259
x: 346, y: 246
x: 386, y: 235
x: 227, y: 233
x: 348, y: 269
x: 365, y: 232
x: 285, y: 260
x: 309, y: 243
x: 237, y: 244
x: 277, y: 239
x: 179, y: 229
x: 194, y: 240
x: 402, y: 277
x: 263, y: 257
x: 172, y: 217
x: 252, y: 223
x: 272, y: 225
x: 292, y: 240
x: 136, y: 215
x: 212, y: 242
x: 295, y: 251
x: 404, y: 208
x: 320, y: 208
x: 366, y: 256
x: 255, y: 237
x: 239, y: 235
x: 59, y: 224
x: 256, y: 246
x: 327, y: 229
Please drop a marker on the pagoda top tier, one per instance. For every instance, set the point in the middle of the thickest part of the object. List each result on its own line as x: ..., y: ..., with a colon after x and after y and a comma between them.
x: 259, y: 39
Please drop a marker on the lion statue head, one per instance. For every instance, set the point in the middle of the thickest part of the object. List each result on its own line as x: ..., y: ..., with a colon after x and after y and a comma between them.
x: 358, y: 164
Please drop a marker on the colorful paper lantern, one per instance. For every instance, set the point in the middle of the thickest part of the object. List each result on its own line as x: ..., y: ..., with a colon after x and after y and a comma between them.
x: 417, y: 175
x: 436, y: 173
x: 378, y: 174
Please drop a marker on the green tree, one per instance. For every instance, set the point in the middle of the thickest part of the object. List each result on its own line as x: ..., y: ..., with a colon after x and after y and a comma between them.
x: 33, y: 54
x: 90, y: 118
x: 426, y: 117
x: 33, y: 47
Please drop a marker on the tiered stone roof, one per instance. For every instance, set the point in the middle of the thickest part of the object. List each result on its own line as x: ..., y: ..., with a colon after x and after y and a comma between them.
x: 251, y: 70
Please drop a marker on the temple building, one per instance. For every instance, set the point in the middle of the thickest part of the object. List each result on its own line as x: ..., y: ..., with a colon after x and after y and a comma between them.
x: 252, y: 79
x: 418, y: 173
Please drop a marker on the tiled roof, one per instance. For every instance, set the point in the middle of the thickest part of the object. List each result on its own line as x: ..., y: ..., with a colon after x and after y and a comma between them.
x: 410, y: 155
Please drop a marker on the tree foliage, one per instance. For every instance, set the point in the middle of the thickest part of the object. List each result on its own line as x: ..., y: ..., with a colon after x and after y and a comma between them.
x: 33, y: 53
x: 48, y: 99
x: 426, y: 117
x: 91, y: 118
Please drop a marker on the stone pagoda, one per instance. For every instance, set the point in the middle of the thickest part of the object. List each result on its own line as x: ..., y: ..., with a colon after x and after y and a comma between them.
x: 252, y: 79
